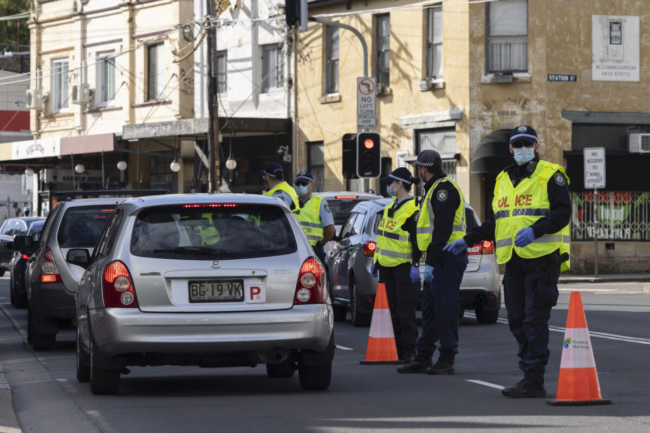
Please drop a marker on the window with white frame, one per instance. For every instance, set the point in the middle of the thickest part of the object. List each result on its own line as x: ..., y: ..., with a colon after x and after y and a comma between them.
x: 383, y: 49
x: 442, y: 140
x: 434, y: 42
x: 507, y: 36
x: 59, y: 85
x: 222, y: 72
x: 155, y: 71
x: 332, y: 58
x: 272, y: 68
x: 105, y: 79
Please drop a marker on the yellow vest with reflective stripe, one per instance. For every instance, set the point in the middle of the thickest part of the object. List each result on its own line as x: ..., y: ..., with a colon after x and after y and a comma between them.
x: 519, y: 207
x: 283, y: 186
x: 394, y: 244
x: 309, y: 219
x: 209, y: 235
x: 425, y: 221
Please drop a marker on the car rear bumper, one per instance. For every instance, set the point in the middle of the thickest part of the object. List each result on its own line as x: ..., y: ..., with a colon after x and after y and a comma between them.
x: 121, y: 331
x: 482, y: 287
x: 51, y: 301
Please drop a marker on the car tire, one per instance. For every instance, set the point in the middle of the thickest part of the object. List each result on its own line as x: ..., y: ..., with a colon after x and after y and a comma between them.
x: 285, y: 370
x: 44, y: 341
x: 340, y: 313
x: 30, y: 326
x: 359, y: 319
x: 83, y: 367
x: 486, y: 317
x: 2, y: 273
x: 315, y: 377
x: 102, y: 382
x: 19, y: 301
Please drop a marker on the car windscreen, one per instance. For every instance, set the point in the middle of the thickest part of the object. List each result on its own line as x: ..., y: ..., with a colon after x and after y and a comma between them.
x: 35, y: 231
x: 218, y: 231
x: 81, y: 227
x: 341, y: 209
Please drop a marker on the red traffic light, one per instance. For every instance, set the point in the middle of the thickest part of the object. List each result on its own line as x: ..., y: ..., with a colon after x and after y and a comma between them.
x: 369, y: 144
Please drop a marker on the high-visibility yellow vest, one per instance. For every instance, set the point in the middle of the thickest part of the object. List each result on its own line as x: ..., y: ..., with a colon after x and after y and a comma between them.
x: 283, y: 186
x: 519, y: 207
x: 209, y: 235
x: 425, y: 221
x: 309, y: 219
x: 394, y: 244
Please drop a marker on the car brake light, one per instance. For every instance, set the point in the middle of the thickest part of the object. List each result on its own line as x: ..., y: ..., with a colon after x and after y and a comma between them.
x: 369, y: 248
x: 26, y: 257
x: 310, y: 288
x: 211, y: 205
x: 488, y: 247
x: 485, y: 247
x: 50, y: 278
x: 48, y: 256
x: 117, y: 286
x: 48, y: 266
x: 346, y: 197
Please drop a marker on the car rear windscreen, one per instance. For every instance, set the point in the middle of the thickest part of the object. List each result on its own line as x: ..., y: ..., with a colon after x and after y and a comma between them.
x: 341, y: 209
x: 217, y: 231
x: 81, y: 227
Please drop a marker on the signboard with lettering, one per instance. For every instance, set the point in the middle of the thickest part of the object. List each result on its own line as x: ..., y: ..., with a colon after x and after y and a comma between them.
x: 563, y: 78
x: 366, y: 103
x: 615, y: 48
x: 31, y: 149
x: 594, y: 167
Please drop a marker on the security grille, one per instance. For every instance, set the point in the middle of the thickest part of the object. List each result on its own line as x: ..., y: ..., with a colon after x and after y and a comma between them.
x: 645, y: 143
x: 621, y: 216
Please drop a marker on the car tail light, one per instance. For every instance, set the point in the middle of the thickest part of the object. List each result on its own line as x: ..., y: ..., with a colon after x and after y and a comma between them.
x: 369, y: 248
x: 488, y: 247
x: 485, y: 247
x: 50, y: 278
x: 49, y: 272
x: 117, y: 286
x: 211, y: 205
x: 26, y: 257
x: 310, y: 288
x: 346, y: 197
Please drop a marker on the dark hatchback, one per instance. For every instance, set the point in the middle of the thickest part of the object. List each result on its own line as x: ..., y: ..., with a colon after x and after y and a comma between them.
x: 18, y: 265
x: 11, y: 228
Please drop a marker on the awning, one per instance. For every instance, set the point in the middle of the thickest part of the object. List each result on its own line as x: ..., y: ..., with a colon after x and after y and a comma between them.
x: 492, y: 154
x: 51, y: 147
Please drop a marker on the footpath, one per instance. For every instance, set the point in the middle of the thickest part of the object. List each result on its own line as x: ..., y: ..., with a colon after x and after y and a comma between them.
x: 606, y: 278
x: 8, y: 420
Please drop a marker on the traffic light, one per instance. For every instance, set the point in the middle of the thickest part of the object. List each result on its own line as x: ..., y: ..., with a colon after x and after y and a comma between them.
x: 368, y: 154
x: 349, y: 156
x: 296, y: 13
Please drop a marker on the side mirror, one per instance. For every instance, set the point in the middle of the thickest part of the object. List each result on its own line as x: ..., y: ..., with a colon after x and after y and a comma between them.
x: 24, y: 244
x: 79, y: 257
x: 9, y: 246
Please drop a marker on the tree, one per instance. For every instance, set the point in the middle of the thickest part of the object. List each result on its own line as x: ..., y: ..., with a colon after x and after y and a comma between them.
x: 9, y: 33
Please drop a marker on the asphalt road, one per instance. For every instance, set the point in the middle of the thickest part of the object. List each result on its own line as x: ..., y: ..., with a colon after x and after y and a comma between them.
x: 48, y: 398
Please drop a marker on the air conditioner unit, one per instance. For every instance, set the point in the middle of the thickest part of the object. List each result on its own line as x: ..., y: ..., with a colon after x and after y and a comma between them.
x: 81, y: 94
x: 35, y: 99
x: 639, y: 143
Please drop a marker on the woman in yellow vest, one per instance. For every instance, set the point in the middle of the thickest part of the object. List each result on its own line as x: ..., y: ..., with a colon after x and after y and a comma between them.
x: 532, y: 210
x: 315, y: 216
x: 397, y: 260
x: 277, y: 187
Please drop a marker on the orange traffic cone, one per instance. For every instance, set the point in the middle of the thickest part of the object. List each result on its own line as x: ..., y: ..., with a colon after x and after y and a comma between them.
x: 381, y: 342
x: 578, y: 383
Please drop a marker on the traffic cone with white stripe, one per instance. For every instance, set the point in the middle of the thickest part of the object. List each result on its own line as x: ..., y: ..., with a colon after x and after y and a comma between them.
x: 381, y: 342
x: 578, y: 383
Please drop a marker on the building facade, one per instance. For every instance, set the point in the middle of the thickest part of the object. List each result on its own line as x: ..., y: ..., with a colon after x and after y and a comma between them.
x: 455, y: 75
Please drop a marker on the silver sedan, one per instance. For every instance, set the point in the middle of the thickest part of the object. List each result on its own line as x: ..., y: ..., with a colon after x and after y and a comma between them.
x: 209, y: 280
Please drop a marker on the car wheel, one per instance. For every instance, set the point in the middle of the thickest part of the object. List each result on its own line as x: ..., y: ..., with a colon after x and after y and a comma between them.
x: 30, y: 326
x: 83, y: 369
x: 340, y: 313
x: 315, y: 377
x: 283, y: 370
x: 44, y: 341
x: 2, y: 273
x: 462, y: 313
x: 486, y: 317
x: 102, y: 382
x: 359, y: 319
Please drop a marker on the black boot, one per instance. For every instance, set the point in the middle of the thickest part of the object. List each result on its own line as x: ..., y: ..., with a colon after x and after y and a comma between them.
x: 443, y: 366
x: 408, y: 355
x: 531, y: 386
x: 418, y: 365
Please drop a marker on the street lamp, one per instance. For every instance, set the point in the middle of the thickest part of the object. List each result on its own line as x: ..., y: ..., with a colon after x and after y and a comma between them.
x: 80, y: 168
x: 231, y: 164
x: 175, y: 166
x: 29, y: 172
x: 122, y: 165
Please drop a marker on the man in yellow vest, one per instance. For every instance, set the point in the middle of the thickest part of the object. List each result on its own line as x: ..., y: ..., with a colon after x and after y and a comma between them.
x: 315, y: 216
x: 277, y: 187
x: 532, y: 210
x: 441, y: 221
x: 397, y: 260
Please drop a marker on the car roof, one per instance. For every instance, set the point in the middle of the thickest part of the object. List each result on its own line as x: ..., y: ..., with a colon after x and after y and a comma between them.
x: 92, y: 202
x: 360, y: 195
x: 173, y: 199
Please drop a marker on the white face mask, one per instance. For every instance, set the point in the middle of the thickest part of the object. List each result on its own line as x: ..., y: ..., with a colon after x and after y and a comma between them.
x: 524, y: 155
x: 302, y: 189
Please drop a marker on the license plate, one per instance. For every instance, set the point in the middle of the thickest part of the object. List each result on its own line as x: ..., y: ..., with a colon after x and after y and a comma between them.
x: 217, y: 291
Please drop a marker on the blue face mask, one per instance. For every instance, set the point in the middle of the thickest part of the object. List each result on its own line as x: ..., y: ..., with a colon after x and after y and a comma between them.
x: 302, y: 190
x: 390, y: 191
x: 524, y: 155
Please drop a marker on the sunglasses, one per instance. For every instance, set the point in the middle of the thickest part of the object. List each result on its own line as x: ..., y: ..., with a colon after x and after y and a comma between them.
x: 522, y: 143
x: 301, y: 183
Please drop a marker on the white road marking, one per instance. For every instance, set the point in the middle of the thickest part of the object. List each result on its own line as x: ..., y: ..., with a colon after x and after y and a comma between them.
x: 491, y: 385
x: 66, y: 385
x: 343, y: 347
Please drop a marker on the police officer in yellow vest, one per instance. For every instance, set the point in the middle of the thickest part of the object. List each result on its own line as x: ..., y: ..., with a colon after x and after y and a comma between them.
x: 397, y: 259
x: 209, y: 234
x: 277, y: 187
x: 441, y: 221
x: 315, y: 216
x: 532, y: 210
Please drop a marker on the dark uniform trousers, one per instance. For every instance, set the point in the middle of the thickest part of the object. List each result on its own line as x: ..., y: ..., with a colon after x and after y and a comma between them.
x: 320, y: 253
x: 441, y: 308
x: 403, y: 297
x: 529, y: 300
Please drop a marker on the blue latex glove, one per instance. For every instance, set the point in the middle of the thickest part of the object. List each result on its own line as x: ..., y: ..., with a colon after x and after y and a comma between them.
x: 374, y: 271
x: 456, y: 247
x: 524, y: 237
x: 415, y: 274
x: 428, y: 273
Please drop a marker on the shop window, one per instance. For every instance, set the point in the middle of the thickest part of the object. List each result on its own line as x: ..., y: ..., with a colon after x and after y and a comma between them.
x: 155, y: 72
x: 434, y: 42
x: 316, y: 164
x: 383, y: 50
x: 443, y: 141
x: 60, y: 96
x: 332, y: 53
x: 272, y: 68
x: 222, y: 72
x: 621, y: 216
x: 507, y: 28
x: 106, y: 79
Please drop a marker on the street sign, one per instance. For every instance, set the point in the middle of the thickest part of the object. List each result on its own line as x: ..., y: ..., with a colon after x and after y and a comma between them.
x: 563, y: 78
x: 594, y: 167
x: 366, y: 103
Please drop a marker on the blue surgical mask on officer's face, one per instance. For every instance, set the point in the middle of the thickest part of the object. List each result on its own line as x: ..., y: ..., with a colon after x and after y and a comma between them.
x: 391, y: 192
x: 524, y: 155
x: 302, y: 189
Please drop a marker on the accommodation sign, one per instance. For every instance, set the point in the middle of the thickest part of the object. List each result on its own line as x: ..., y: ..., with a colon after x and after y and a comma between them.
x: 615, y: 48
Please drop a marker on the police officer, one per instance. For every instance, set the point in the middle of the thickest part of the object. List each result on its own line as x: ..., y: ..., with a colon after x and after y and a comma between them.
x: 315, y: 216
x: 276, y: 186
x: 532, y: 209
x: 397, y: 260
x: 441, y: 221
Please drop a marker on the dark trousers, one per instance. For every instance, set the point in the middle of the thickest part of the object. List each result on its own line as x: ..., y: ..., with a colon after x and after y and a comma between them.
x: 529, y: 300
x: 320, y: 253
x: 403, y: 297
x: 441, y: 308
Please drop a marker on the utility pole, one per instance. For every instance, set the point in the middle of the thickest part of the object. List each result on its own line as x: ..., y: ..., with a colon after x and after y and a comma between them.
x: 213, y: 110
